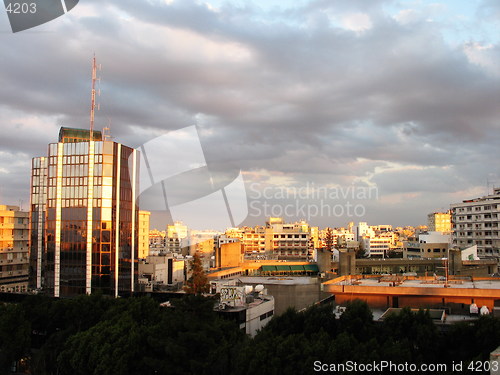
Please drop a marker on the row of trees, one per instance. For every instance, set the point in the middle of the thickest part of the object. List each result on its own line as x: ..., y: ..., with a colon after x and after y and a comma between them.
x: 101, y: 335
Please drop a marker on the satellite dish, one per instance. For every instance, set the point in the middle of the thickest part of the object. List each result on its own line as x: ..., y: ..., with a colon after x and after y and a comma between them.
x: 474, y: 309
x: 259, y: 288
x: 484, y: 310
x: 248, y: 289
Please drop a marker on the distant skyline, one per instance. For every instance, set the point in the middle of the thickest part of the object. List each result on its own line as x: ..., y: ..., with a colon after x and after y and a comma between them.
x: 398, y: 96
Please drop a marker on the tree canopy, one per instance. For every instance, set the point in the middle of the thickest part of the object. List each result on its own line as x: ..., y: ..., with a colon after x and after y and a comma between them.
x: 100, y: 335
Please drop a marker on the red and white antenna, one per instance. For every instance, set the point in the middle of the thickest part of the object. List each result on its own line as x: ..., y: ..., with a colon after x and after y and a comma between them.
x: 93, y: 101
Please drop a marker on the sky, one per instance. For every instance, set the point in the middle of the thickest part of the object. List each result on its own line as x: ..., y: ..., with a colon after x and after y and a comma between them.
x: 324, y: 107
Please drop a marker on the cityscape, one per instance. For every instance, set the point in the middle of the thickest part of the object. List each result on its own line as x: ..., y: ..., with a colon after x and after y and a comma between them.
x: 266, y: 191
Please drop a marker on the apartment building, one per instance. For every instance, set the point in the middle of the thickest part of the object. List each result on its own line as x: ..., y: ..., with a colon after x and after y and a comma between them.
x: 477, y: 222
x: 143, y: 238
x: 14, y: 249
x: 288, y: 241
x: 439, y: 222
x: 176, y: 237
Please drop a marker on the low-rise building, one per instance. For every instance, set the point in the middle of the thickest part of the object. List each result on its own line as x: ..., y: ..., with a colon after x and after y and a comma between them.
x: 155, y: 272
x: 250, y: 307
x: 229, y: 255
x: 382, y: 292
x: 428, y: 245
x: 376, y: 246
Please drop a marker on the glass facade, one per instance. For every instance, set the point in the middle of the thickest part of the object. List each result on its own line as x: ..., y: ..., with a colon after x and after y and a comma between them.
x: 37, y: 219
x: 90, y: 219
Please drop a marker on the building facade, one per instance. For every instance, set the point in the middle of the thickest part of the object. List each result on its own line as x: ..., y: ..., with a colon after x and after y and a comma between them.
x: 429, y: 245
x: 177, y: 237
x: 84, y: 216
x: 477, y: 222
x: 157, y: 272
x: 143, y: 238
x: 439, y: 222
x: 14, y: 249
x: 288, y: 241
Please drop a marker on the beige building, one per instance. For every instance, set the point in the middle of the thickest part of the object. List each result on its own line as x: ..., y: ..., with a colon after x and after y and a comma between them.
x: 177, y: 237
x: 428, y: 245
x: 288, y: 241
x: 157, y: 241
x: 14, y: 249
x: 229, y: 255
x: 439, y: 222
x: 252, y: 238
x: 143, y: 238
x: 339, y: 235
x: 156, y: 272
x: 377, y: 246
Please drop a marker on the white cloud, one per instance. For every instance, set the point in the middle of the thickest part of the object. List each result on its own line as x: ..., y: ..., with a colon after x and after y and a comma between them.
x: 407, y: 16
x: 485, y: 56
x: 357, y: 22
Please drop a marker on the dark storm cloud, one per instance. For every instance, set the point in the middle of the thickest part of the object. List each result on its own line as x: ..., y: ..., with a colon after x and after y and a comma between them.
x: 287, y: 92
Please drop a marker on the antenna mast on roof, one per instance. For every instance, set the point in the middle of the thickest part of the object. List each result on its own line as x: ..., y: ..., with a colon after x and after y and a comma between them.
x: 93, y: 101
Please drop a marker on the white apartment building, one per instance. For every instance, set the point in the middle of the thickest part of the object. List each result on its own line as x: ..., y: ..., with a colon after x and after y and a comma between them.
x: 428, y: 245
x: 477, y: 222
x: 376, y: 247
x: 364, y: 230
x: 252, y: 308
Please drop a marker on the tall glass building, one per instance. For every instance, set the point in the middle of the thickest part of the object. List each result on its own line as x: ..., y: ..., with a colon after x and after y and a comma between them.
x: 84, y: 216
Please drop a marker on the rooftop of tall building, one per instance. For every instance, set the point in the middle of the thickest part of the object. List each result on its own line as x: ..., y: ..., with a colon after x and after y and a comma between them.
x: 69, y: 135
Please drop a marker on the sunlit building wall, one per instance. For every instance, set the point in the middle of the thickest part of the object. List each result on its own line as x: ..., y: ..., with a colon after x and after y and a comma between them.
x: 288, y: 241
x: 14, y: 239
x: 143, y: 234
x: 439, y: 222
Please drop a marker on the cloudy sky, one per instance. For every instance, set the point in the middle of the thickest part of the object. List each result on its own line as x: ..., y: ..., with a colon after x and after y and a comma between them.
x: 326, y: 95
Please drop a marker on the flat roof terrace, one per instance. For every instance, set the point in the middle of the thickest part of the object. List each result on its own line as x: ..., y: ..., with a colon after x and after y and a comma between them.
x: 411, y: 291
x: 401, y: 282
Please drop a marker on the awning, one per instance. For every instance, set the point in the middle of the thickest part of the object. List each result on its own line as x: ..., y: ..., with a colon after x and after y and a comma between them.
x: 268, y: 268
x: 283, y: 268
x: 311, y: 268
x: 299, y: 268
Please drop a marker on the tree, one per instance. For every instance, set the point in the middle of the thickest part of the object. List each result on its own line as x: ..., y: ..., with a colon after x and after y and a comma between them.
x: 329, y: 240
x: 360, y: 253
x: 392, y: 254
x: 198, y: 282
x: 14, y: 335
